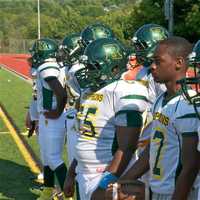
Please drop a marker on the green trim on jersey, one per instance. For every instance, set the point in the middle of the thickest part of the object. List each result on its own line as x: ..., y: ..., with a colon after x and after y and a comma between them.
x: 133, y: 118
x: 134, y: 96
x: 70, y: 117
x: 190, y: 115
x: 189, y: 134
x: 47, y: 98
x: 50, y: 78
x: 49, y: 67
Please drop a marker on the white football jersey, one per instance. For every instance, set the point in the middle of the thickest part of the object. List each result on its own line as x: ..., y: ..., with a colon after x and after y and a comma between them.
x: 46, y: 100
x: 99, y: 114
x: 172, y: 120
x: 154, y: 90
x: 73, y: 87
x: 33, y: 111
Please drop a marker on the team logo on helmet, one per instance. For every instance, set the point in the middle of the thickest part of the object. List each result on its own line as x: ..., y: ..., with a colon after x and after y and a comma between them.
x: 112, y: 52
x: 157, y: 33
x: 42, y: 45
x: 99, y: 32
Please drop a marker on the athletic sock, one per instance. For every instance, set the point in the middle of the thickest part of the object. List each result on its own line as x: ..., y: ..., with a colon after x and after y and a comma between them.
x: 61, y: 172
x: 48, y: 177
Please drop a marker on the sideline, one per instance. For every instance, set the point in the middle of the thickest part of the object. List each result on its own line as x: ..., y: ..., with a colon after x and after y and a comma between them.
x: 19, y: 75
x: 22, y: 148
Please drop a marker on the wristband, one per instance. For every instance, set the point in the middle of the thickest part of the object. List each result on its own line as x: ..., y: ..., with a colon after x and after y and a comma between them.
x: 107, y: 178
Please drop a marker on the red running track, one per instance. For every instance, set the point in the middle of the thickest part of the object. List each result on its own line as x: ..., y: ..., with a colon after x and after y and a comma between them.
x: 17, y: 63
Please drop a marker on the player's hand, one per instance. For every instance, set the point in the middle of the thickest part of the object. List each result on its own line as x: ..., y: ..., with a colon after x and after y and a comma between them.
x: 98, y: 194
x: 109, y: 192
x: 130, y: 190
x: 31, y: 129
x: 52, y: 114
x: 120, y: 195
x: 69, y: 186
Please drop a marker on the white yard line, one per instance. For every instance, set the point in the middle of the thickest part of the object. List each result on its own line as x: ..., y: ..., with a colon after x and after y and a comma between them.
x: 4, y: 132
x: 21, y: 76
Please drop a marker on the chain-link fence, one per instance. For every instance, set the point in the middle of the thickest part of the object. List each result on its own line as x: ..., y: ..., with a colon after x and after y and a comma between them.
x: 15, y: 45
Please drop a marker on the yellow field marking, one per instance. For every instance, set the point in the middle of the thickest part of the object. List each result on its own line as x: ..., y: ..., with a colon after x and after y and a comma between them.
x: 25, y: 153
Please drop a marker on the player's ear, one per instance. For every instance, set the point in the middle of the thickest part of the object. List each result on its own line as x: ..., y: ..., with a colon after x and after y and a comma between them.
x: 115, y: 70
x: 179, y: 63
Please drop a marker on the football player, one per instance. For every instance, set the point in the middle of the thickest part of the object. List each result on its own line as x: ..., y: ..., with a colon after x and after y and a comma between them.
x: 32, y: 114
x: 73, y: 46
x: 71, y: 53
x: 194, y: 82
x: 51, y: 100
x: 145, y: 40
x: 109, y: 117
x: 174, y: 129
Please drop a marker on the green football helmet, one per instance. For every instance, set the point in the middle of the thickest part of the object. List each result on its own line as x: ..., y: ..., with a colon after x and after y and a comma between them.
x: 95, y: 31
x: 105, y: 60
x: 193, y: 80
x: 145, y: 40
x: 71, y: 48
x: 44, y: 49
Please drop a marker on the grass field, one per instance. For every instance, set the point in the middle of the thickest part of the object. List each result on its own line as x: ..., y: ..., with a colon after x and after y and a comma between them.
x: 15, y: 175
x: 15, y: 95
x: 2, y: 127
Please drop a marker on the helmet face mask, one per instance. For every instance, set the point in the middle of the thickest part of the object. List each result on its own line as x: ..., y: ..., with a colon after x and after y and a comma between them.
x: 193, y: 81
x: 71, y: 49
x: 142, y: 53
x: 145, y: 40
x: 104, y: 59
